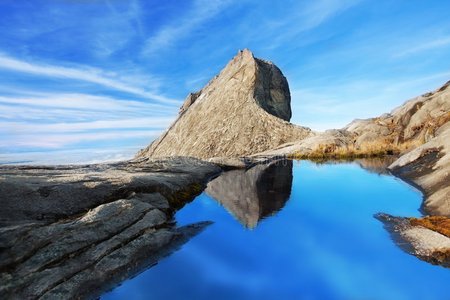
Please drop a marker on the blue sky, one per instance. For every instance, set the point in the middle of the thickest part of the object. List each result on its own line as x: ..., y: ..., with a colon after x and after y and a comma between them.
x: 97, y: 80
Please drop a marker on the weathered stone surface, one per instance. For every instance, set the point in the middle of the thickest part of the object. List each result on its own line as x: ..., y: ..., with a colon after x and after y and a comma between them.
x: 48, y: 193
x: 228, y: 163
x: 428, y: 167
x: 112, y: 221
x: 340, y: 138
x: 156, y: 200
x: 415, y: 120
x: 100, y: 265
x: 125, y: 262
x: 250, y: 195
x: 242, y: 111
x: 419, y: 241
x: 77, y: 231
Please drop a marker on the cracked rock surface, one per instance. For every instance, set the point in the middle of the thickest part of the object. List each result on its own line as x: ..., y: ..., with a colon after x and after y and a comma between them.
x: 78, y: 231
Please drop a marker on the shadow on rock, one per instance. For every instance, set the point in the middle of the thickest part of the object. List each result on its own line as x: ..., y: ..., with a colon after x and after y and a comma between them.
x: 74, y: 232
x: 251, y: 195
x: 88, y: 255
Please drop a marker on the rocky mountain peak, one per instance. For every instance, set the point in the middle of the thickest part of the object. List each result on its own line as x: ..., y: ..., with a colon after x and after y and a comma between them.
x: 243, y: 110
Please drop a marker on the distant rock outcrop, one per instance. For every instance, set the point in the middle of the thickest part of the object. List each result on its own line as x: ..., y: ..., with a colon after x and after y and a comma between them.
x: 416, y: 120
x: 242, y: 111
x: 420, y: 127
x: 428, y: 166
x: 418, y: 130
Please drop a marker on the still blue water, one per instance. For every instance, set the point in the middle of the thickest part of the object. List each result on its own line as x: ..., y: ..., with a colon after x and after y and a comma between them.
x: 321, y: 242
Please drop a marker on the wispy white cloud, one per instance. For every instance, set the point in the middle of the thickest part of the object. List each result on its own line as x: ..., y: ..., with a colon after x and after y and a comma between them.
x: 36, y: 114
x: 27, y: 127
x: 55, y: 121
x: 88, y: 74
x: 73, y: 156
x: 57, y: 141
x: 425, y: 46
x: 318, y: 12
x: 119, y: 25
x: 302, y: 17
x: 167, y: 36
x: 71, y: 108
x: 84, y: 101
x: 131, y: 15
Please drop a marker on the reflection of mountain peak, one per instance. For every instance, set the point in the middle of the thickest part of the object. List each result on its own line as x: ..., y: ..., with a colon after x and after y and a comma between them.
x: 250, y: 195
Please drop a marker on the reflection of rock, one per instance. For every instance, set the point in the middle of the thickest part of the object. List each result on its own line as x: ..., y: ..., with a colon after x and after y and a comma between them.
x: 250, y: 195
x: 77, y: 231
x: 377, y: 165
x: 424, y: 243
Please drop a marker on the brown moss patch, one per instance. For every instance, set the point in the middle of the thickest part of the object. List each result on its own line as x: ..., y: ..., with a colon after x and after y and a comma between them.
x: 181, y: 197
x: 366, y: 150
x: 391, y: 144
x: 428, y: 127
x: 440, y: 257
x: 439, y: 224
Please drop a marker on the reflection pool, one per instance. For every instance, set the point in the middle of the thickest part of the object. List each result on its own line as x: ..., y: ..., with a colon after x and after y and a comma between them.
x: 296, y: 230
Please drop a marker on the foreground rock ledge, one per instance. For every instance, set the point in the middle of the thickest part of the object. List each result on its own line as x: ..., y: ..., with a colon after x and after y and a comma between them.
x: 78, y: 231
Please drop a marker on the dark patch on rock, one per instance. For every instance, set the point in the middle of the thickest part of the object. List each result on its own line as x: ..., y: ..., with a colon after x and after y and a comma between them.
x: 421, y: 166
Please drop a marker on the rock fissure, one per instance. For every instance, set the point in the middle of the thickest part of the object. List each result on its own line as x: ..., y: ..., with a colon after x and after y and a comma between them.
x: 122, y: 244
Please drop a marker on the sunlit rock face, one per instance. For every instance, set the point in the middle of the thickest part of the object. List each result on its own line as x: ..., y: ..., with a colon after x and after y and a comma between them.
x: 416, y: 120
x: 250, y: 195
x: 242, y: 111
x: 428, y: 166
